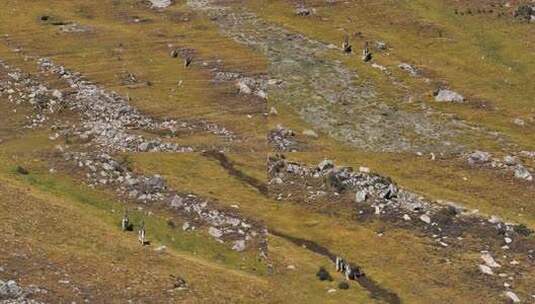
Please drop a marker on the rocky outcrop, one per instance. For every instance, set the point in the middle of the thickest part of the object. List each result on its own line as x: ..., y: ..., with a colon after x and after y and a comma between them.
x: 225, y: 226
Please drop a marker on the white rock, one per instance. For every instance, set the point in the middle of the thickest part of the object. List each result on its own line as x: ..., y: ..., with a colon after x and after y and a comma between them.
x: 361, y: 196
x: 332, y: 290
x: 291, y: 267
x: 273, y: 111
x: 406, y: 217
x: 160, y: 248
x: 508, y: 240
x: 522, y: 173
x: 519, y: 122
x: 486, y: 269
x: 244, y: 88
x: 425, y: 218
x: 310, y: 133
x: 489, y: 260
x: 448, y: 96
x: 217, y: 233
x: 160, y: 3
x: 364, y: 169
x: 57, y: 94
x: 494, y: 220
x: 185, y: 226
x: 239, y: 245
x: 512, y: 296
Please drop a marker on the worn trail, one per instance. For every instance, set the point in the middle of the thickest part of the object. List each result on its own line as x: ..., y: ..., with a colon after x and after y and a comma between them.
x: 228, y: 165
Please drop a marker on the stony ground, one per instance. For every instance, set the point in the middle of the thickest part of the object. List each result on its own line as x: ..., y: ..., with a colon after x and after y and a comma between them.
x: 266, y: 161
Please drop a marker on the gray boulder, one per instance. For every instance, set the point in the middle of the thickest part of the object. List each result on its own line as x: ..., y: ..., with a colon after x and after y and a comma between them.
x: 522, y: 173
x: 361, y: 196
x: 239, y: 245
x: 213, y: 231
x: 444, y: 95
x: 478, y: 158
x: 10, y: 289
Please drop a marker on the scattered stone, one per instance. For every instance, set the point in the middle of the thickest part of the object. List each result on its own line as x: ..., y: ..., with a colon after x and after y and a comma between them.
x: 512, y: 296
x: 361, y: 196
x: 303, y: 11
x: 409, y: 69
x: 381, y: 45
x: 325, y: 165
x: 310, y: 133
x: 522, y: 173
x: 425, y: 218
x: 160, y: 248
x: 243, y: 88
x: 179, y: 283
x: 160, y: 3
x: 510, y: 160
x: 444, y: 95
x: 364, y: 169
x: 10, y: 289
x: 74, y: 28
x: 486, y: 270
x: 524, y: 12
x: 291, y: 267
x: 283, y: 139
x: 489, y: 261
x: 406, y: 217
x: 217, y: 233
x: 273, y: 111
x: 519, y: 122
x: 239, y: 245
x: 478, y: 158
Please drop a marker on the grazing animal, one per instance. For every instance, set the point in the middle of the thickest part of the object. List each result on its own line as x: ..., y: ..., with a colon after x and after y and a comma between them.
x: 188, y: 61
x: 125, y: 222
x: 366, y: 54
x: 346, y: 46
x: 142, y: 234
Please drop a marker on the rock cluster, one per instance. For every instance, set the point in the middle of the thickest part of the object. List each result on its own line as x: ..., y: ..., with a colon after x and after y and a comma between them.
x: 409, y: 69
x: 246, y: 85
x: 223, y: 225
x: 509, y: 163
x: 283, y: 140
x: 525, y: 12
x: 108, y: 119
x: 102, y: 169
x: 376, y: 195
x: 12, y: 293
x: 21, y: 88
x: 160, y: 3
x: 303, y: 11
x: 380, y: 193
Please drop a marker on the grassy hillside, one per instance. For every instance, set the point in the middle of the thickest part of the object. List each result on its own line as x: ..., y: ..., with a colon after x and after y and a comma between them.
x: 62, y: 231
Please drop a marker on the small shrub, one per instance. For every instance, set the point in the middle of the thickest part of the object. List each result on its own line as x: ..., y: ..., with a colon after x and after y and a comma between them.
x: 523, y: 230
x: 21, y: 170
x: 343, y: 285
x: 324, y: 275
